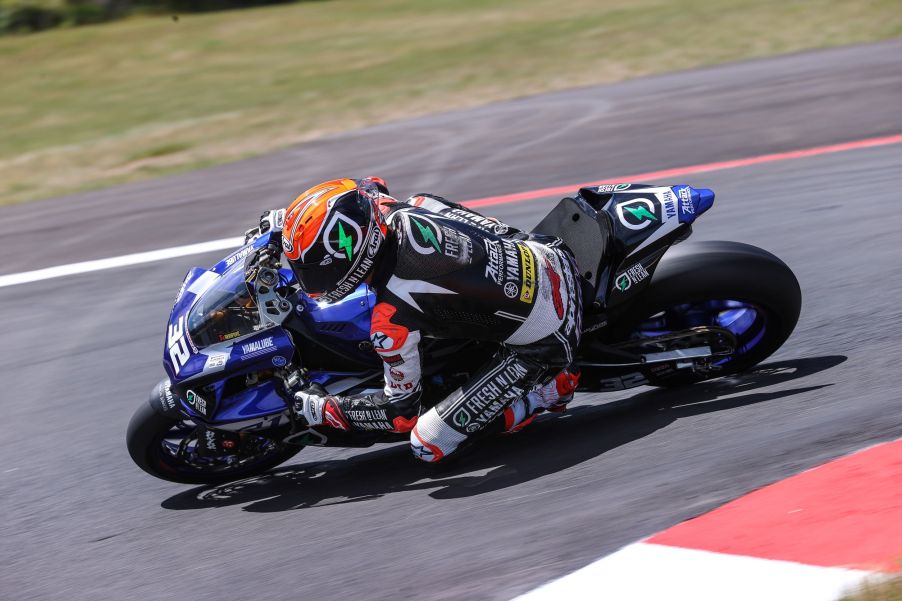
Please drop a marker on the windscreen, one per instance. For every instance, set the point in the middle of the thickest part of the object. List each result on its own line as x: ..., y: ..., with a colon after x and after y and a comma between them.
x: 224, y: 311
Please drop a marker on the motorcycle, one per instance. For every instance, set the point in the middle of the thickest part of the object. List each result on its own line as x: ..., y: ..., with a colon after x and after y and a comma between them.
x: 658, y: 311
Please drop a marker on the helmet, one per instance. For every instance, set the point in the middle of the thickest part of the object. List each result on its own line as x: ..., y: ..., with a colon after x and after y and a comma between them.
x: 332, y: 235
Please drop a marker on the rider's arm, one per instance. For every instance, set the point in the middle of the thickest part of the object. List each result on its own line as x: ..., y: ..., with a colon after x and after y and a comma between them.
x: 459, y: 212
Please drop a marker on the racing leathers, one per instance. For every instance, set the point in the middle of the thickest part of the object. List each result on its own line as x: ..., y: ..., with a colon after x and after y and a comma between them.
x: 449, y: 272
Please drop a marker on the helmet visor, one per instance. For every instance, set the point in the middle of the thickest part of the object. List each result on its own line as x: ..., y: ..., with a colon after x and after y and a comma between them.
x: 319, y: 279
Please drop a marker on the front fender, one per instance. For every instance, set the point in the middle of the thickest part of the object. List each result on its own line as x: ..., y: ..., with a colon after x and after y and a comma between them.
x: 163, y: 400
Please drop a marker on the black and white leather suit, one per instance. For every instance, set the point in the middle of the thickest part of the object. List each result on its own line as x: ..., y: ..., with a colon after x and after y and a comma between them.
x: 449, y: 272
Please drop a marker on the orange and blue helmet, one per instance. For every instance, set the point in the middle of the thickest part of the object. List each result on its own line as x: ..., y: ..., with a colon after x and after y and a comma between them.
x: 332, y: 236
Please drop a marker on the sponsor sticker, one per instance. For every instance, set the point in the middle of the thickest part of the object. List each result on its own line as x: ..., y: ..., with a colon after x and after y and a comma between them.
x: 393, y: 360
x: 490, y: 399
x: 511, y: 290
x: 528, y: 269
x: 279, y: 361
x: 458, y: 246
x: 685, y: 196
x: 420, y: 450
x: 608, y: 188
x: 425, y: 236
x: 369, y: 419
x: 238, y: 255
x: 493, y: 270
x: 381, y: 341
x: 633, y: 275
x: 623, y: 282
x: 217, y: 360
x: 257, y: 347
x: 462, y: 417
x: 349, y: 283
x: 229, y: 336
x: 196, y: 401
x: 637, y: 214
x: 342, y: 237
x: 375, y: 242
x: 669, y: 202
x: 166, y: 396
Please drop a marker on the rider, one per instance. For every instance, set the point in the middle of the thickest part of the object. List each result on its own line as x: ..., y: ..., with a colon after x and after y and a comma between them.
x: 438, y: 270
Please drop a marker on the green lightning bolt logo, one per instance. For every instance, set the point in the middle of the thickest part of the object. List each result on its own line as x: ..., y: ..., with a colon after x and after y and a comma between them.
x: 641, y: 213
x: 427, y: 234
x: 344, y: 242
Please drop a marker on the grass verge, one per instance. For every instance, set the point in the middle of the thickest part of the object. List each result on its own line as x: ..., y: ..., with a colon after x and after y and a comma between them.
x: 883, y: 590
x: 97, y: 105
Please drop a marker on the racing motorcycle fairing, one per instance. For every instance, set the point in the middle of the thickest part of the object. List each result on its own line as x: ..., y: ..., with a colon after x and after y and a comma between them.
x: 645, y: 220
x: 217, y: 346
x: 220, y: 356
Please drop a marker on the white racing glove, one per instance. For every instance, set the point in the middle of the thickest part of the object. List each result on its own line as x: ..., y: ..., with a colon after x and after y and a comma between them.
x: 318, y: 408
x: 272, y: 220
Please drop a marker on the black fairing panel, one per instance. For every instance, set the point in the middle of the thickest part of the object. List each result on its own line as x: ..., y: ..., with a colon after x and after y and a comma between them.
x: 585, y: 231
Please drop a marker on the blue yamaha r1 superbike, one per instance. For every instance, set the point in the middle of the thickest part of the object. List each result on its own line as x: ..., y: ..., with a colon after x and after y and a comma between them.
x: 656, y: 313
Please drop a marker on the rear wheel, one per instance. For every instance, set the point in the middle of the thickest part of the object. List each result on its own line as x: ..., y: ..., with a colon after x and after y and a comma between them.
x: 729, y: 286
x: 167, y: 448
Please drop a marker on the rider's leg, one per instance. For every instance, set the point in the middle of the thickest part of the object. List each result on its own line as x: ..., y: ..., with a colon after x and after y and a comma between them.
x: 545, y: 346
x: 470, y: 408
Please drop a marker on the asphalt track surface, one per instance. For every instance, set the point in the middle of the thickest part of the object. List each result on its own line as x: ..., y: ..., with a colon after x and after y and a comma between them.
x: 79, y: 521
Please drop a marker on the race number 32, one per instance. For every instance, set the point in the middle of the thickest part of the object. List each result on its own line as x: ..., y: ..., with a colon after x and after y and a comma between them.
x: 178, y: 346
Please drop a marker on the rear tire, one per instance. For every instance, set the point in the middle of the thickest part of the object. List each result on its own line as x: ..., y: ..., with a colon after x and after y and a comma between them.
x: 147, y: 431
x: 703, y: 271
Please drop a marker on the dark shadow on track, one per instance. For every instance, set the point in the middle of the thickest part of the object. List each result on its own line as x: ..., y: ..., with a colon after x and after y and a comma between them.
x: 551, y: 444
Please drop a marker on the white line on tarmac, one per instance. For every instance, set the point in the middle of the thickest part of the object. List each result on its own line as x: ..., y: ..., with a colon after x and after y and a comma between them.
x: 122, y: 261
x: 191, y: 249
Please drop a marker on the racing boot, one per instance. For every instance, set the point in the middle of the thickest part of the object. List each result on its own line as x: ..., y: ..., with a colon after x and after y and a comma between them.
x: 552, y: 397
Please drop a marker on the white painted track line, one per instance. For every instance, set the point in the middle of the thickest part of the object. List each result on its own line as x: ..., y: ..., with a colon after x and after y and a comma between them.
x: 121, y: 261
x: 202, y: 247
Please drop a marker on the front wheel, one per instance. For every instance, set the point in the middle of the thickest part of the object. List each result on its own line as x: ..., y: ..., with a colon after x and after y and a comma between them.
x: 166, y: 447
x: 726, y: 285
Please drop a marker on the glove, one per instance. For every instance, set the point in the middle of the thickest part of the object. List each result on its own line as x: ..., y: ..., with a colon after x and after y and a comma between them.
x: 317, y: 408
x: 269, y: 221
x: 272, y: 221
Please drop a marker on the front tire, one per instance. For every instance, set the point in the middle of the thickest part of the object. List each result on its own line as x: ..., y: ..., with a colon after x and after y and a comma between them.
x: 152, y: 435
x: 718, y: 277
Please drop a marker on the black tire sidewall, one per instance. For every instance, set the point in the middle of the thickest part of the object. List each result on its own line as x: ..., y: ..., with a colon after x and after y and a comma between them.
x: 693, y: 272
x: 145, y: 430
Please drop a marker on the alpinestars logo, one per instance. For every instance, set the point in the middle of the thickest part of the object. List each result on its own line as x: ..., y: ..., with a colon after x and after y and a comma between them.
x: 637, y: 214
x: 426, y: 237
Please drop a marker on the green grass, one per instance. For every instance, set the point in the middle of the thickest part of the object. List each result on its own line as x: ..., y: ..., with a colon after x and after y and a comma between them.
x: 91, y: 106
x: 878, y: 590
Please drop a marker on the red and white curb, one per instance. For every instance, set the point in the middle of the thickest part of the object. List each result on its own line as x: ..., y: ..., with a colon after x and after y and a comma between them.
x: 811, y: 537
